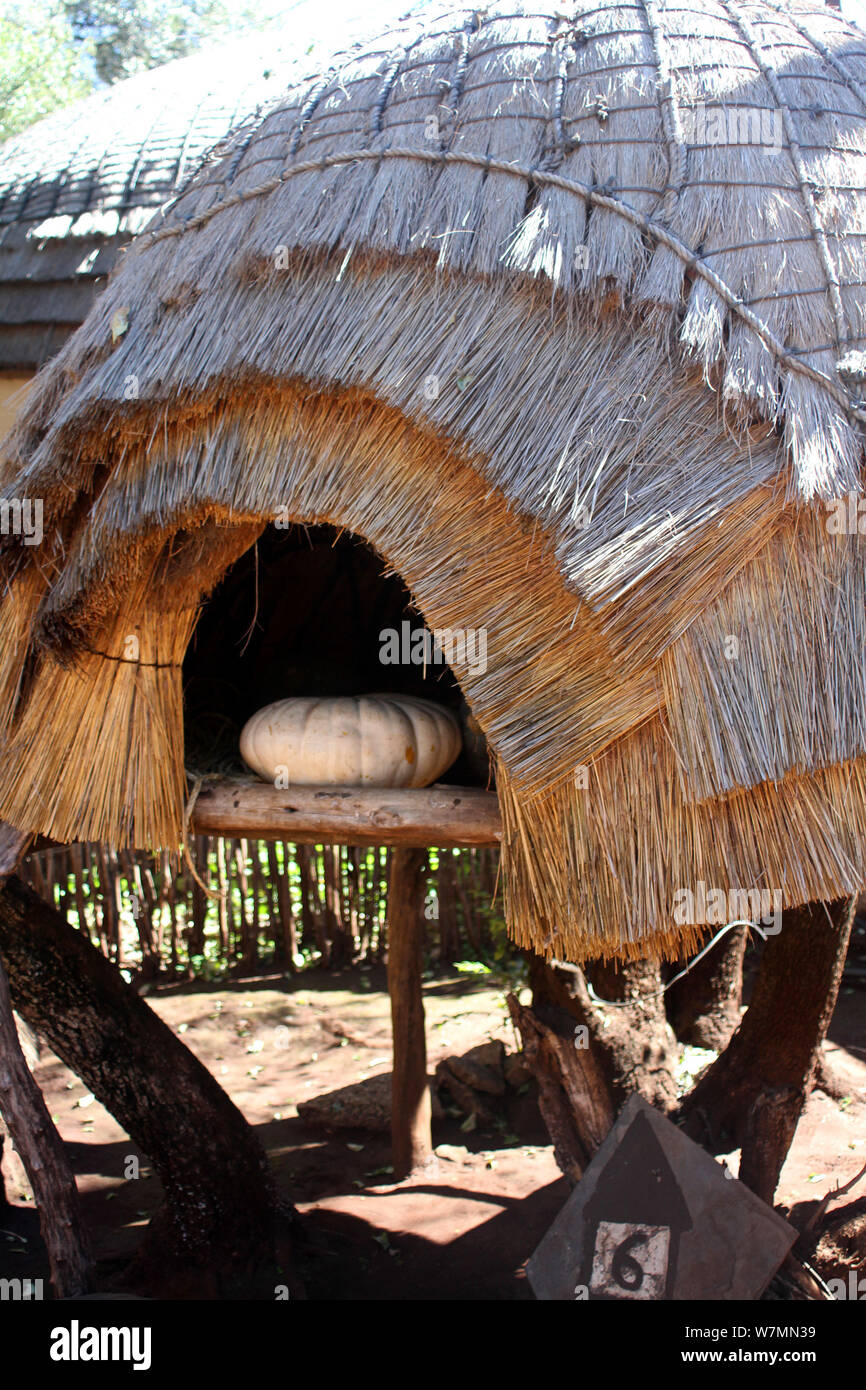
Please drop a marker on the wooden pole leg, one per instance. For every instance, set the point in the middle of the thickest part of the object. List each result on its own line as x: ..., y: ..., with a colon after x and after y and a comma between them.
x: 411, y: 1137
x: 216, y: 1233
x: 45, y: 1160
x: 753, y: 1094
x: 30, y: 1127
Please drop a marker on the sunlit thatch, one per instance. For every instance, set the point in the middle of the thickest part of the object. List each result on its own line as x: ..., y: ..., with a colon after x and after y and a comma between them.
x: 509, y: 296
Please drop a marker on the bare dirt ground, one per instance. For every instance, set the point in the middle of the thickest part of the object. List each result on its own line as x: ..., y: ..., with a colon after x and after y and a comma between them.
x: 463, y: 1229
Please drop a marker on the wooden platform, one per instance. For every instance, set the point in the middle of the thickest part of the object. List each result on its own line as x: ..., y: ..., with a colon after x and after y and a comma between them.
x: 448, y: 817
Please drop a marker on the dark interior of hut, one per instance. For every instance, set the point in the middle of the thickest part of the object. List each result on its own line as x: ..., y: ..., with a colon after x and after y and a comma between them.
x: 302, y: 613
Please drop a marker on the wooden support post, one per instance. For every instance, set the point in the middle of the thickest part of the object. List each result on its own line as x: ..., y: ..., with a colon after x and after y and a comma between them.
x: 39, y: 1146
x: 754, y: 1093
x: 410, y: 1091
x: 43, y: 1154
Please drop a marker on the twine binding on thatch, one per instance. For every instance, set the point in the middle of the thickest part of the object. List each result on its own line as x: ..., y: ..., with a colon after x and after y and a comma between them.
x: 543, y: 178
x: 766, y: 66
x: 131, y: 661
x: 795, y: 18
x: 568, y: 480
x: 677, y: 153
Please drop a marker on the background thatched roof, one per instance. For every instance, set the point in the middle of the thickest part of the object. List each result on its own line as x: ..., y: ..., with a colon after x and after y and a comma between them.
x: 76, y: 187
x: 495, y: 293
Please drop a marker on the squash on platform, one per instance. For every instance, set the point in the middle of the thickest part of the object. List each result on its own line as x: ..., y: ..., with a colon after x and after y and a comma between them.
x: 358, y: 741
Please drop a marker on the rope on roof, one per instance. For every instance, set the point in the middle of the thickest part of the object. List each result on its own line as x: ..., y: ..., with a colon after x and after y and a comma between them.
x: 762, y: 58
x: 564, y: 51
x: 670, y: 112
x: 543, y: 178
x: 826, y: 53
x: 385, y: 91
x: 308, y: 111
x: 461, y: 59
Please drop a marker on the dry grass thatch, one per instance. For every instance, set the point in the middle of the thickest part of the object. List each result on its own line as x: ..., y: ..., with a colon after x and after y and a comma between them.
x: 508, y: 295
x: 78, y: 185
x: 767, y: 680
x: 602, y: 860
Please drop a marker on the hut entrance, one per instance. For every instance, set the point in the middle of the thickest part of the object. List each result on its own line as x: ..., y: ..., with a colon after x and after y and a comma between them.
x: 312, y: 611
x: 309, y: 610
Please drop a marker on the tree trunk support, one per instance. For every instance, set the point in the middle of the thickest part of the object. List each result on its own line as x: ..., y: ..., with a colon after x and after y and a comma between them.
x: 219, y: 1221
x: 754, y: 1094
x: 587, y: 1057
x: 45, y: 1160
x: 411, y: 1138
x: 704, y: 1006
x: 573, y: 1094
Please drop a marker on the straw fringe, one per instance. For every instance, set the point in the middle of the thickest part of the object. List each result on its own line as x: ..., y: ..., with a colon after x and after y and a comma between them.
x: 464, y: 295
x: 95, y: 754
x: 17, y: 614
x: 591, y: 433
x: 768, y: 679
x: 597, y: 870
x: 551, y: 691
x: 482, y: 165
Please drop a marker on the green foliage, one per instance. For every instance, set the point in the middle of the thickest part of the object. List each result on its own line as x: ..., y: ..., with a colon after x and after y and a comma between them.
x: 196, y: 944
x: 54, y: 51
x: 40, y: 69
x: 123, y: 37
x: 471, y: 967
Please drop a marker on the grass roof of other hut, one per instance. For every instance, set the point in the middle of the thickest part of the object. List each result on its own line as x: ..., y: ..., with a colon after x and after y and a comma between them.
x: 76, y: 186
x: 564, y: 313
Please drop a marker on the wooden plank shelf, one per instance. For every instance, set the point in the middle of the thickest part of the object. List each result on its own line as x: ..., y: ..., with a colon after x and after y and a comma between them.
x: 447, y: 817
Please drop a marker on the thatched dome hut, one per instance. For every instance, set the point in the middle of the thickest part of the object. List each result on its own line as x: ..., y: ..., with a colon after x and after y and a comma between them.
x: 77, y: 186
x: 563, y: 315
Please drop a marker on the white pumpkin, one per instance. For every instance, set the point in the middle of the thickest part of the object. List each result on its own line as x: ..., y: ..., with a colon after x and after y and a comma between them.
x: 357, y: 741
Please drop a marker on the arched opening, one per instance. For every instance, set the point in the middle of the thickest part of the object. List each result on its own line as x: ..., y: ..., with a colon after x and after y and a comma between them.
x: 310, y: 610
x: 315, y: 610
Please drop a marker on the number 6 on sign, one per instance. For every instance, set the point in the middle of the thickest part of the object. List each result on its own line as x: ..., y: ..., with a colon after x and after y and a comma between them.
x: 629, y: 1260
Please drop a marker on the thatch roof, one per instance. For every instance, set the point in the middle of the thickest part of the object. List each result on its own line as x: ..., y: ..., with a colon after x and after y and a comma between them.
x: 76, y: 187
x: 509, y: 295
